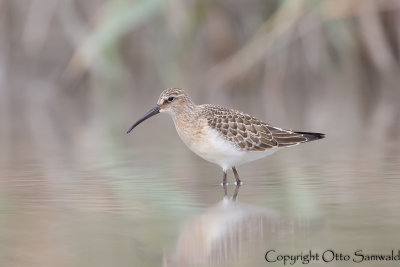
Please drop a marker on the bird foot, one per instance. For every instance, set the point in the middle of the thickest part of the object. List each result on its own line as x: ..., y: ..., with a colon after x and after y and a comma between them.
x: 224, y: 184
x: 240, y: 183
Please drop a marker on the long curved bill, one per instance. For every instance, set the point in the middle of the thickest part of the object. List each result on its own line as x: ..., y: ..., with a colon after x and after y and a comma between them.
x: 149, y: 114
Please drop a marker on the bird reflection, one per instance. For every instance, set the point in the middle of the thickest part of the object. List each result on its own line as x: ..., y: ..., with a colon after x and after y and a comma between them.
x: 228, y: 231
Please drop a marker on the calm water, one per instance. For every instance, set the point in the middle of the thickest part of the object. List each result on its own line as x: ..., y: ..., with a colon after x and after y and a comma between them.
x: 157, y: 204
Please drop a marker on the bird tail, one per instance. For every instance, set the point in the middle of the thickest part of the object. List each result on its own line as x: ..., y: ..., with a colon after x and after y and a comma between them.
x: 311, y: 136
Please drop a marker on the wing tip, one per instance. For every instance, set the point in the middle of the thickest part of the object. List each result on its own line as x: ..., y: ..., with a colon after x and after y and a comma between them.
x: 312, y: 136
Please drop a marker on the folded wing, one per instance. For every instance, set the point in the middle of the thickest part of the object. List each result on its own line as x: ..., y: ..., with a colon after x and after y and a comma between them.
x: 251, y: 134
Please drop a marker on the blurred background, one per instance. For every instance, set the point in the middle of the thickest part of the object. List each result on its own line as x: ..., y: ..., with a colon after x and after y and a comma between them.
x: 75, y: 190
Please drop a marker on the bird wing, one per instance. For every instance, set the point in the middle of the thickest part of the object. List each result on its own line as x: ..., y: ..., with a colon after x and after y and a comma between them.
x: 248, y: 133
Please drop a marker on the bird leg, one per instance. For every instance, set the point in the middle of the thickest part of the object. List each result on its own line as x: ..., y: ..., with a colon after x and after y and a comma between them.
x: 224, y: 183
x: 238, y: 182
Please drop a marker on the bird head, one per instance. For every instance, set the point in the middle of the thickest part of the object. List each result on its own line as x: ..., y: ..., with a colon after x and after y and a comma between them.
x: 172, y: 101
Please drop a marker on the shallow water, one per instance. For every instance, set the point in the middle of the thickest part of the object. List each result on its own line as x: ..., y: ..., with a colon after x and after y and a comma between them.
x: 158, y: 204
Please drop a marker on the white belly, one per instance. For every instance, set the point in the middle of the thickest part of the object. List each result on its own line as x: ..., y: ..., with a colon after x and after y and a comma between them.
x: 212, y: 147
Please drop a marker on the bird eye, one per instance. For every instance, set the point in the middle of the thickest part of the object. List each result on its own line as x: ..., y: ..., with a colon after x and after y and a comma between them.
x: 170, y: 99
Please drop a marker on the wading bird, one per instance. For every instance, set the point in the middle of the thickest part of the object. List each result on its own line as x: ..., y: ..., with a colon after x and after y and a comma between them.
x: 223, y: 136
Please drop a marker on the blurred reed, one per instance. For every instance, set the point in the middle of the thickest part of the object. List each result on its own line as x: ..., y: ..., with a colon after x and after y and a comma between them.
x: 69, y: 66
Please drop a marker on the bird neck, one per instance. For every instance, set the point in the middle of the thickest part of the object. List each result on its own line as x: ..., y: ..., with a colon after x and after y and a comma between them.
x: 185, y: 114
x: 185, y: 118
x: 186, y: 121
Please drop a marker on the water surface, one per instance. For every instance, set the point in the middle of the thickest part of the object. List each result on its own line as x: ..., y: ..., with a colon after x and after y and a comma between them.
x: 158, y: 204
